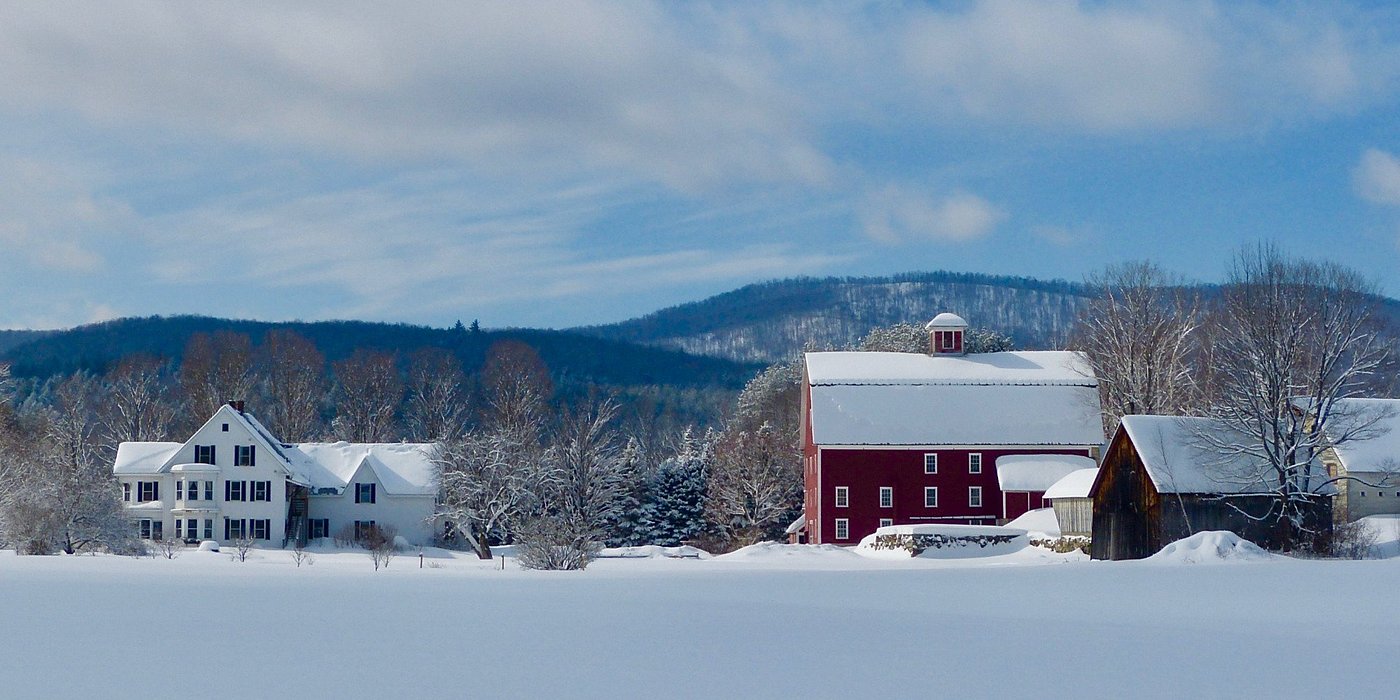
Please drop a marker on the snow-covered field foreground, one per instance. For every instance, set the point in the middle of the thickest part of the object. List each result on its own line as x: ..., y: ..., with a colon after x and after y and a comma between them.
x: 771, y: 622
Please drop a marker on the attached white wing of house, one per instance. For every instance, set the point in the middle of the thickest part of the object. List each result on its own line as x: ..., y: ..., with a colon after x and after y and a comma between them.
x: 1003, y: 398
x: 403, y: 469
x: 1378, y: 449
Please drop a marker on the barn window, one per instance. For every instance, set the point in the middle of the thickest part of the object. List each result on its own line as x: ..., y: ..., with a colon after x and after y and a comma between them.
x: 974, y: 463
x: 843, y: 529
x: 930, y: 462
x: 974, y: 496
x: 886, y: 496
x: 886, y: 522
x: 843, y: 496
x: 930, y: 496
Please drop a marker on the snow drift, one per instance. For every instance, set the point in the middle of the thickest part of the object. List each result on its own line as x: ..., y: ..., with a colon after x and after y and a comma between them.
x: 1211, y: 547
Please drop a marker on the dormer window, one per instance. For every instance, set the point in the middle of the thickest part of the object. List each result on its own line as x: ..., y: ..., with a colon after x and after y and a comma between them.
x: 364, y: 493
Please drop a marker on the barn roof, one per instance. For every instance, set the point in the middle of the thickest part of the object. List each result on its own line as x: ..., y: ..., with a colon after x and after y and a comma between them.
x: 1379, y: 451
x: 1037, y: 472
x: 1004, y: 398
x: 1200, y: 455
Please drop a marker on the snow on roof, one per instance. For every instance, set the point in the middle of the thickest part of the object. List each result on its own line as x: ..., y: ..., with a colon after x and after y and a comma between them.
x: 403, y: 468
x: 143, y: 457
x: 1380, y: 450
x: 1037, y: 472
x: 946, y: 320
x: 1075, y: 484
x: 1025, y: 368
x: 955, y: 415
x: 1185, y: 455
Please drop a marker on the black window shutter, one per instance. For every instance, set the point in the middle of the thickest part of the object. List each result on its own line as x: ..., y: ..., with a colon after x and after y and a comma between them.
x: 156, y: 488
x: 252, y: 455
x: 228, y: 487
x: 212, y: 458
x: 371, y: 492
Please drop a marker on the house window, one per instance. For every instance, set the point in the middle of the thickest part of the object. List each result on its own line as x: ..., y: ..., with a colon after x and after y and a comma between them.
x: 191, y: 490
x: 208, y: 528
x: 930, y: 463
x: 974, y: 496
x: 208, y: 490
x: 179, y: 491
x: 886, y: 522
x: 319, y: 528
x: 126, y: 491
x: 179, y: 529
x: 886, y: 496
x: 152, y: 529
x: 362, y: 528
x: 204, y: 454
x: 244, y: 456
x: 226, y: 427
x: 843, y: 496
x: 930, y: 496
x: 262, y: 490
x: 192, y: 528
x: 147, y: 491
x: 843, y: 529
x: 235, y: 490
x: 974, y: 463
x: 258, y: 529
x: 234, y: 529
x: 364, y: 493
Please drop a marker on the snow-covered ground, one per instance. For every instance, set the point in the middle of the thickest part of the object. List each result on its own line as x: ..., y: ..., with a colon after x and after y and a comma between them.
x: 769, y: 621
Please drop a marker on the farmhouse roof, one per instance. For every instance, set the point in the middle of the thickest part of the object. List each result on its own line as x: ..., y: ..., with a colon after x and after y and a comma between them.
x: 1379, y: 449
x: 1003, y: 398
x: 143, y: 457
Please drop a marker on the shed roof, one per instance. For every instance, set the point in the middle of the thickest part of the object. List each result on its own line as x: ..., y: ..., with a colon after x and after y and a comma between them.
x: 1201, y: 455
x: 1075, y: 484
x: 1037, y: 472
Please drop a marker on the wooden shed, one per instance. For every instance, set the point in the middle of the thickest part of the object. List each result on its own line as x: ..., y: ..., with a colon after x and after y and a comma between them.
x: 1069, y: 496
x: 1160, y: 482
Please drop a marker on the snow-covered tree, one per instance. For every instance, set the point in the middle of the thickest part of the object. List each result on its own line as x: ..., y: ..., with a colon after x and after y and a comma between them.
x: 517, y: 389
x: 977, y: 340
x: 1293, y: 338
x: 675, y: 509
x: 488, y: 483
x: 907, y: 337
x: 589, y: 477
x: 215, y: 368
x: 755, y: 485
x: 1137, y: 333
x: 368, y: 398
x: 138, y: 405
x: 83, y: 494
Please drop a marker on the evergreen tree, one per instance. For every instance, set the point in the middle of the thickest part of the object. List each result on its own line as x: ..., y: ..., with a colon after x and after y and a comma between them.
x: 675, y: 513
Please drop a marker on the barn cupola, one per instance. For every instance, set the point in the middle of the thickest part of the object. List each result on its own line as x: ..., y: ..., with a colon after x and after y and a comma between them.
x: 945, y: 334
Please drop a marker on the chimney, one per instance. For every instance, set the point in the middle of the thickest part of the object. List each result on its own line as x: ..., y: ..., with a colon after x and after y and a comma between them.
x: 945, y: 334
x: 236, y: 405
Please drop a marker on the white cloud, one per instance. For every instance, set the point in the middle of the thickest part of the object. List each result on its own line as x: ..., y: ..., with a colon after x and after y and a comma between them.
x: 1377, y: 177
x: 896, y: 213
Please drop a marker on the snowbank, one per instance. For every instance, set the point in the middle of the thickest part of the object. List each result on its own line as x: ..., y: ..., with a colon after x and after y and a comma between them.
x: 1384, y: 533
x: 789, y: 553
x: 652, y: 551
x: 1212, y: 547
x: 941, y: 541
x: 1039, y: 523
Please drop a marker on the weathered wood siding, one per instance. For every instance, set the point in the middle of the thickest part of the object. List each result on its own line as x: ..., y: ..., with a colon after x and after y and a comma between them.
x: 1075, y: 515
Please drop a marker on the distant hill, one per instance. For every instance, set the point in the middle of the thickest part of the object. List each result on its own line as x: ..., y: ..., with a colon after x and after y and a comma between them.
x: 10, y: 339
x: 773, y: 320
x: 573, y: 358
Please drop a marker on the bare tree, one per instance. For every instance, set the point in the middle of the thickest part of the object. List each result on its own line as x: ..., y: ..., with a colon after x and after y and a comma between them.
x: 241, y: 548
x: 84, y: 496
x: 138, y: 406
x: 294, y: 382
x: 378, y: 542
x: 488, y: 483
x: 517, y: 387
x: 300, y: 555
x: 554, y: 543
x: 1137, y: 333
x: 369, y: 396
x: 589, y: 469
x: 215, y: 369
x: 1294, y: 338
x: 438, y: 395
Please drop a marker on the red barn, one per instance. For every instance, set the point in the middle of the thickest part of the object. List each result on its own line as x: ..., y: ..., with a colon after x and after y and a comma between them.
x: 894, y: 438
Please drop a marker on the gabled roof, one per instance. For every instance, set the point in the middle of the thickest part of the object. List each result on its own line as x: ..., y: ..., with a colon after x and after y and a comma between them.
x: 1037, y: 472
x: 1201, y: 455
x: 1001, y: 398
x: 404, y: 468
x: 1379, y: 450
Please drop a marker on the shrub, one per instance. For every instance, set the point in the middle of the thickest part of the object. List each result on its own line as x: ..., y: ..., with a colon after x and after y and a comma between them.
x: 555, y: 544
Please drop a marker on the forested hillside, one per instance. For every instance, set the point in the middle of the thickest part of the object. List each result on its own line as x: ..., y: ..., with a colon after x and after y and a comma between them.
x: 769, y: 321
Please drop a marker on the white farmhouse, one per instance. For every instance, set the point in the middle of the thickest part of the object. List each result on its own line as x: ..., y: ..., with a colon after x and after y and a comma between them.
x: 232, y: 479
x: 1368, y: 468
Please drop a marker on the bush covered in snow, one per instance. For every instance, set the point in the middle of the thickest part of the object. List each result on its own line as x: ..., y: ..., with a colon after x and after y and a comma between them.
x: 554, y: 544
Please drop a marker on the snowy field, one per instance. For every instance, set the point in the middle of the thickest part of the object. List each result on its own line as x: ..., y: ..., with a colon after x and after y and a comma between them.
x: 768, y: 622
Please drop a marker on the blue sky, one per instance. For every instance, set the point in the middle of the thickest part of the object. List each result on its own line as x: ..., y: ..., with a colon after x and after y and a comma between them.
x: 573, y: 162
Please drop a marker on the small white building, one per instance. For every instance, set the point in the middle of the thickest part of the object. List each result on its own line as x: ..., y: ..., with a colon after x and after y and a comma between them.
x: 232, y: 479
x: 1369, y: 468
x: 1074, y: 510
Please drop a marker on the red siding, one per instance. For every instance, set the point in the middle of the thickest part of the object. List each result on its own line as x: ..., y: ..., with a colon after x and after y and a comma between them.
x: 864, y: 471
